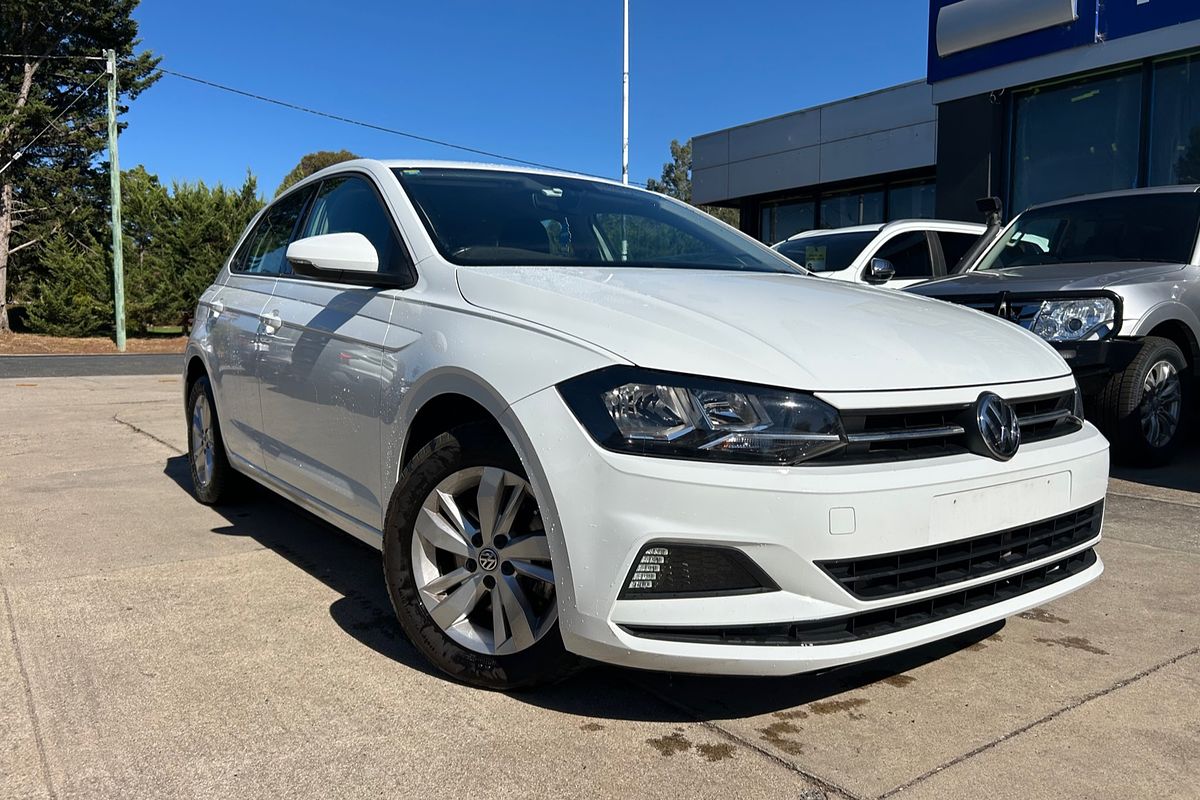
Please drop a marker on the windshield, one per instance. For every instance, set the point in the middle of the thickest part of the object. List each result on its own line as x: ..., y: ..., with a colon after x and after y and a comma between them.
x: 827, y: 252
x: 492, y: 218
x: 1150, y: 227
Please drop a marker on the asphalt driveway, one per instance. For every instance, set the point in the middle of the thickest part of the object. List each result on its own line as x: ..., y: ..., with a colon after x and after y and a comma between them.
x: 152, y: 647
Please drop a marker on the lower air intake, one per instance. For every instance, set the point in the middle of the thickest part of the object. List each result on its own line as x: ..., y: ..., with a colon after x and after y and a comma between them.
x: 663, y: 570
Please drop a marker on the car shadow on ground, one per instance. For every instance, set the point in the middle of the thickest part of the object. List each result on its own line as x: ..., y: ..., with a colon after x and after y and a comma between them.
x: 1183, y: 473
x: 353, y: 570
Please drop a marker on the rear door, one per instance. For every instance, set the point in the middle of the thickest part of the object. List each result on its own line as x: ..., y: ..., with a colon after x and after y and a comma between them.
x: 321, y: 399
x: 237, y: 307
x: 953, y: 246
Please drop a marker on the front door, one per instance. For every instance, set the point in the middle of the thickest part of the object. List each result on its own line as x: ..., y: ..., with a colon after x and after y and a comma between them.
x: 323, y: 347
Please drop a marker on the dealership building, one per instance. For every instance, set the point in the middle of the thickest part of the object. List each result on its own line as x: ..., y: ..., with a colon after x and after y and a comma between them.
x: 1028, y: 100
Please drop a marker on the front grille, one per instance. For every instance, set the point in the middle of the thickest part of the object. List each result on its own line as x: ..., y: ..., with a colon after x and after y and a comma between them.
x: 869, y: 624
x: 907, y: 434
x: 910, y: 571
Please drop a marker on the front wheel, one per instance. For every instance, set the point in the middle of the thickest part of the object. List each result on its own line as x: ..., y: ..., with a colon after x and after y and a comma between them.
x: 468, y: 565
x: 1144, y: 409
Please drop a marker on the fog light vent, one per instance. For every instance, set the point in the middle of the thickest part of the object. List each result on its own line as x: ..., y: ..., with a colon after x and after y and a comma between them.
x: 665, y: 570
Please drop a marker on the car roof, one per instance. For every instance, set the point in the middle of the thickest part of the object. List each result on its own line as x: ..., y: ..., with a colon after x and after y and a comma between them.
x: 879, y: 227
x: 1180, y: 189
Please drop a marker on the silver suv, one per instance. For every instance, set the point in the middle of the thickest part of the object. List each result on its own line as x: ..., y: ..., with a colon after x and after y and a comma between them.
x: 1112, y: 281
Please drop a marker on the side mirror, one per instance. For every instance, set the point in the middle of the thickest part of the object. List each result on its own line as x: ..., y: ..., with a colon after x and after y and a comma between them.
x: 880, y: 271
x: 333, y: 256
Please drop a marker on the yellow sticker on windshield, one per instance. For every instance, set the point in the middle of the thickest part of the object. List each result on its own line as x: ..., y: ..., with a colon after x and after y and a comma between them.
x: 814, y: 258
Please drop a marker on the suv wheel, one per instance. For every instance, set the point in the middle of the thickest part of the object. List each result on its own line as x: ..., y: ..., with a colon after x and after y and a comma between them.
x: 468, y: 564
x: 1144, y: 408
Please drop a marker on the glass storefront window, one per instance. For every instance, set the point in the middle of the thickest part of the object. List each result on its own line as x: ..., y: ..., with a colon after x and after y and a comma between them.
x: 911, y: 201
x: 1175, y: 122
x: 855, y: 208
x: 1076, y: 138
x: 783, y: 220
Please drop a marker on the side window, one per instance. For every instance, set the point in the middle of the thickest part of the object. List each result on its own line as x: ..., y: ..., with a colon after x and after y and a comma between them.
x: 263, y: 251
x: 909, y: 254
x: 955, y: 246
x: 351, y: 205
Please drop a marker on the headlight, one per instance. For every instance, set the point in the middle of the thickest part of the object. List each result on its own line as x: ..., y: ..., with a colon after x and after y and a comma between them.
x: 1075, y: 320
x: 677, y: 416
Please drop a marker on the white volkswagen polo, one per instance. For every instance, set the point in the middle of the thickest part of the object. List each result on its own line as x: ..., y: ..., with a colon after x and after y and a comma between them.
x: 585, y: 420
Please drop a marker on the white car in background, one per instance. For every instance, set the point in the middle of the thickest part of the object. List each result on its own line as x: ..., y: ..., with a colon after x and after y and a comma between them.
x: 898, y: 254
x: 584, y: 419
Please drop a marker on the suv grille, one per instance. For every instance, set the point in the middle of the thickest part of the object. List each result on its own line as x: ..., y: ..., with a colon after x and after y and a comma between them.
x: 906, y: 434
x: 868, y: 624
x: 910, y: 571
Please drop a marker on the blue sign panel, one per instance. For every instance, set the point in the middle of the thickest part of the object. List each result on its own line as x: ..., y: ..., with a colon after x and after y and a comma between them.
x: 1126, y: 17
x: 1097, y: 21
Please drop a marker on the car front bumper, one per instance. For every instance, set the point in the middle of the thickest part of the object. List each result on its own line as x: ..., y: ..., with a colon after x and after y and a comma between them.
x: 602, y: 507
x: 1094, y: 362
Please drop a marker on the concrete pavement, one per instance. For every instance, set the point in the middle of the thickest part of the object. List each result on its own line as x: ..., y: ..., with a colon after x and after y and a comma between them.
x: 152, y: 647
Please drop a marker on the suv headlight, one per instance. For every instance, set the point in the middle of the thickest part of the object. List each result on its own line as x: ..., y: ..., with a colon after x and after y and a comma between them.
x: 1075, y: 319
x: 631, y: 410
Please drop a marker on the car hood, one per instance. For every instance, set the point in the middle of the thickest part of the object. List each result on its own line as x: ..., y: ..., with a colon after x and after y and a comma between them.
x: 776, y: 329
x: 1049, y: 278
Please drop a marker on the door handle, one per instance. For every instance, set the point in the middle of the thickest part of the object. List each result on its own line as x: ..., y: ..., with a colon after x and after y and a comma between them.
x: 271, y: 321
x: 218, y: 308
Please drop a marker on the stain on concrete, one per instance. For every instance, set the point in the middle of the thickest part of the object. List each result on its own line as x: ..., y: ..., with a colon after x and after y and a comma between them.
x: 591, y: 727
x: 670, y: 744
x: 899, y: 681
x: 848, y: 705
x: 779, y: 733
x: 715, y: 752
x: 794, y: 713
x: 1042, y: 615
x: 1073, y: 643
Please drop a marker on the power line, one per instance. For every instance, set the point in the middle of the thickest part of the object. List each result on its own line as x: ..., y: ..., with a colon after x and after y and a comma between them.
x: 21, y: 151
x: 44, y: 57
x: 359, y: 123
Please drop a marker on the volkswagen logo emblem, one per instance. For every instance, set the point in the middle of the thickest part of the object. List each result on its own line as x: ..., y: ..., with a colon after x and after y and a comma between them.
x: 999, y: 427
x: 488, y: 560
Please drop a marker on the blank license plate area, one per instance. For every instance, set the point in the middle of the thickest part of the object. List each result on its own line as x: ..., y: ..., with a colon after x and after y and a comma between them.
x: 995, y: 508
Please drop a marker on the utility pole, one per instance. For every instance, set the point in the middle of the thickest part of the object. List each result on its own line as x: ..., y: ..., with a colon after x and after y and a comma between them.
x: 625, y: 104
x: 114, y: 166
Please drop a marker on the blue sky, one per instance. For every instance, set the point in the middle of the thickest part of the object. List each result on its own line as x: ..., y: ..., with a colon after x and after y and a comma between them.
x: 534, y: 79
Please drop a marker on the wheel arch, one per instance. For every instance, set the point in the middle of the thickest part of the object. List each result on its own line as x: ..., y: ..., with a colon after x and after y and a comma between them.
x: 1174, y: 321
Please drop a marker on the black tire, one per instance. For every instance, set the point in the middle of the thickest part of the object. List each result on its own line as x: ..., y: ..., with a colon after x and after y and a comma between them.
x: 462, y: 448
x: 1120, y: 406
x: 222, y: 484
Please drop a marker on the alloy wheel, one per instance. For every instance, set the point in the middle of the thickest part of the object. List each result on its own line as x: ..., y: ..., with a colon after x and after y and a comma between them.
x: 481, y: 561
x: 1162, y: 401
x: 203, y: 441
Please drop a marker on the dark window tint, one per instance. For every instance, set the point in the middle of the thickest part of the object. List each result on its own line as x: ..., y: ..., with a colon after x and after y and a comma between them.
x: 852, y: 208
x: 830, y: 252
x: 1149, y: 227
x: 912, y: 201
x: 501, y: 218
x: 263, y: 251
x: 1077, y: 137
x: 909, y: 254
x: 955, y: 246
x: 1175, y: 122
x: 351, y: 205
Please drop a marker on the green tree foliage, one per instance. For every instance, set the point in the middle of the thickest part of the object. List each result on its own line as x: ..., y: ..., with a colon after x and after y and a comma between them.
x: 677, y: 182
x: 312, y: 163
x: 74, y: 295
x: 57, y: 183
x: 175, y: 242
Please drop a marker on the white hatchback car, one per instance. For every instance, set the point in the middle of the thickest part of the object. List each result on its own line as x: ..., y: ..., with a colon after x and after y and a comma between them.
x: 582, y: 419
x: 898, y: 254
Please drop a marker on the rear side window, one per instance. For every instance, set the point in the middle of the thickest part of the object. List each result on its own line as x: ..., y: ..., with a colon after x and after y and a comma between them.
x: 263, y: 251
x: 909, y: 254
x: 955, y: 246
x: 351, y: 205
